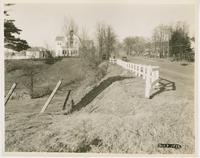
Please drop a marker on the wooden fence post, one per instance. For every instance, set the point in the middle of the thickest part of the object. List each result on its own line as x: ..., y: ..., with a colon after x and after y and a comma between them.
x: 148, y: 82
x: 10, y: 93
x: 50, y: 97
x: 64, y: 105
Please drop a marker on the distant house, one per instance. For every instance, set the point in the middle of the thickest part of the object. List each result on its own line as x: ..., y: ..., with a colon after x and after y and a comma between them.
x: 12, y: 54
x: 31, y: 53
x: 35, y: 53
x: 9, y: 53
x: 67, y: 46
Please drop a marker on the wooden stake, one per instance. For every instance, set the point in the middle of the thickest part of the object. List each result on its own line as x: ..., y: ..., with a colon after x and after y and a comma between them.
x: 10, y: 93
x: 64, y: 105
x: 72, y: 103
x: 50, y: 97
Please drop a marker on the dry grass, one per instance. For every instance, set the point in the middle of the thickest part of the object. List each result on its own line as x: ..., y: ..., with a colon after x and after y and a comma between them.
x: 118, y: 120
x: 69, y: 70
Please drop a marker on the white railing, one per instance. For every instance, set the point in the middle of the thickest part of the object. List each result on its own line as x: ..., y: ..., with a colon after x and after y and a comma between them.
x: 147, y: 72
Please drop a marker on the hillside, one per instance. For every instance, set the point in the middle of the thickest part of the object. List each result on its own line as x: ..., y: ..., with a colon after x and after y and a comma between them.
x: 109, y: 116
x: 45, y: 75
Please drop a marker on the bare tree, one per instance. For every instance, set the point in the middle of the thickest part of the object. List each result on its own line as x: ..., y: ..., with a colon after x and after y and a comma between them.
x: 69, y: 24
x: 160, y: 38
x: 84, y: 34
x: 87, y: 50
x: 100, y: 39
x: 106, y: 39
x: 110, y: 41
x: 134, y: 45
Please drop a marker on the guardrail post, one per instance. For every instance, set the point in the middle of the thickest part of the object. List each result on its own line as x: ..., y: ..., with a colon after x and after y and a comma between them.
x: 134, y: 68
x: 148, y: 82
x: 144, y: 72
x: 140, y: 70
x: 137, y: 70
x: 110, y: 60
x: 157, y: 77
x: 153, y: 77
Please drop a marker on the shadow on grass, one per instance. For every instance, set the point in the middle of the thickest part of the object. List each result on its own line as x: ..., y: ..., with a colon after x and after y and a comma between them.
x: 164, y: 85
x: 90, y: 96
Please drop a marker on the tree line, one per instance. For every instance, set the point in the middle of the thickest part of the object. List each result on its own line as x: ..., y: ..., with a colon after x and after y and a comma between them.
x: 167, y: 41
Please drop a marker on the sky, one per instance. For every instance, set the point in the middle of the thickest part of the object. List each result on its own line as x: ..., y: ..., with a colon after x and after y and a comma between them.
x: 41, y: 23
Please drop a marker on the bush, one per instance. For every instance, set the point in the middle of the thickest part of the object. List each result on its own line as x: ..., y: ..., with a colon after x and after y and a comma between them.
x: 91, y: 63
x: 52, y: 60
x: 102, y: 70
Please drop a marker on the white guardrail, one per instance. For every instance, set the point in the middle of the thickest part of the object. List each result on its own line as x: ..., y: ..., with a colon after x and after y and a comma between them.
x: 147, y: 72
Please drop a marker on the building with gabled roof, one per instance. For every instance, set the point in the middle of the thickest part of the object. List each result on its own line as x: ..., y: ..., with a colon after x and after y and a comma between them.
x: 67, y: 46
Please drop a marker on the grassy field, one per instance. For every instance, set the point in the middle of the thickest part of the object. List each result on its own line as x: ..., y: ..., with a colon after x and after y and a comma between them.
x: 109, y: 116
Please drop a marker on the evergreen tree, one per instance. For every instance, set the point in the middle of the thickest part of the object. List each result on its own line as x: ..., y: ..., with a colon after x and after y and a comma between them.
x: 180, y: 44
x: 10, y: 30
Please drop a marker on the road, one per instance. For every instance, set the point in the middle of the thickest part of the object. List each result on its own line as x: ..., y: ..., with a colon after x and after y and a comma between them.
x: 183, y: 76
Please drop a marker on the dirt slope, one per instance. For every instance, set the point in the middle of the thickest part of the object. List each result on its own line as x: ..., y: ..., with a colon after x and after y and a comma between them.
x: 116, y: 119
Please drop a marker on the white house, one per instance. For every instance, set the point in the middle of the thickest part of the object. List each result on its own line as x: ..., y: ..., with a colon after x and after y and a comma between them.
x: 67, y: 46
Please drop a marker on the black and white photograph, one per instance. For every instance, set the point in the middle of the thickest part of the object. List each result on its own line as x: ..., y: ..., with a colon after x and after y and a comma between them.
x: 91, y: 77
